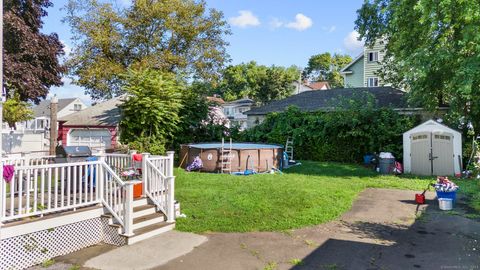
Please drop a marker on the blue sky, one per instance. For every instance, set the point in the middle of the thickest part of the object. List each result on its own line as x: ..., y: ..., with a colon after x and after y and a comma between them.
x: 270, y: 32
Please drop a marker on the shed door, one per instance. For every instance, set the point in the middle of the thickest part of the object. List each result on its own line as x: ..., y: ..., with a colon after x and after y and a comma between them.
x: 442, y: 153
x: 94, y: 138
x: 420, y: 153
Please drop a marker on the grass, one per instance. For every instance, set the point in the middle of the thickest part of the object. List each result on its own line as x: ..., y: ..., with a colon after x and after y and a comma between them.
x: 309, y: 194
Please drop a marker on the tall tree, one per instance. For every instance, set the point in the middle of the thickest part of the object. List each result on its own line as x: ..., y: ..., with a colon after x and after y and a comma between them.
x: 150, y: 114
x: 432, y: 50
x: 258, y: 82
x: 179, y: 36
x: 31, y: 58
x: 326, y: 67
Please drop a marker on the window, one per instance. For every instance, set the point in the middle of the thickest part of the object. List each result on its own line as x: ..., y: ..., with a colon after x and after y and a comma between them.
x: 372, y: 82
x: 77, y: 107
x: 372, y: 56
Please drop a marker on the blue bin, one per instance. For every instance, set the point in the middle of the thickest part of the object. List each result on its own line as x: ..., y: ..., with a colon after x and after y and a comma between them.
x: 367, y: 159
x: 447, y: 195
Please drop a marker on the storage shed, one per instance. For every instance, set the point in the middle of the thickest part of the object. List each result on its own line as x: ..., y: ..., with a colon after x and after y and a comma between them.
x: 432, y: 148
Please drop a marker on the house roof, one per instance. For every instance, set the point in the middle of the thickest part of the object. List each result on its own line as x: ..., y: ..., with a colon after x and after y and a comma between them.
x: 43, y: 108
x: 242, y: 101
x: 106, y: 113
x: 351, y: 63
x: 322, y: 100
x: 217, y: 100
x: 319, y: 85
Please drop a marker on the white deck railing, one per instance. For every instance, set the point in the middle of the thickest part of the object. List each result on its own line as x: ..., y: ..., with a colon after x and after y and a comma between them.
x: 27, y: 160
x: 40, y: 188
x: 159, y: 182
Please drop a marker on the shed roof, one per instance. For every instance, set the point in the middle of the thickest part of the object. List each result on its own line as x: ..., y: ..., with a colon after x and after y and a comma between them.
x: 106, y: 113
x: 325, y: 100
x: 431, y: 125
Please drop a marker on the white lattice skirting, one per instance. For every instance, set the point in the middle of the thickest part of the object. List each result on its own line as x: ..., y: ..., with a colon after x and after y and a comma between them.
x: 23, y: 251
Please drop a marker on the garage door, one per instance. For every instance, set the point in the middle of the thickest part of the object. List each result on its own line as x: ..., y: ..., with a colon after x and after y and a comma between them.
x: 432, y: 153
x: 94, y: 138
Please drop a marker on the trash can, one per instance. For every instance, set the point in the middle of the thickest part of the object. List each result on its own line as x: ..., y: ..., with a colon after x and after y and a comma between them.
x: 386, y: 165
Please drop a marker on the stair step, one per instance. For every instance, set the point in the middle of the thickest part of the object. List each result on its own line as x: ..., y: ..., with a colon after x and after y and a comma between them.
x: 144, y: 210
x: 150, y: 231
x: 142, y: 222
x: 140, y: 202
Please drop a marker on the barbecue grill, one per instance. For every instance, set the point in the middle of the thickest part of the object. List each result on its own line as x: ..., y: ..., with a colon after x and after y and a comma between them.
x: 67, y: 154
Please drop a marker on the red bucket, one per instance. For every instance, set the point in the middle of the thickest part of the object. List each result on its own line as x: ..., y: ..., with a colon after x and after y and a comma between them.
x: 420, y: 198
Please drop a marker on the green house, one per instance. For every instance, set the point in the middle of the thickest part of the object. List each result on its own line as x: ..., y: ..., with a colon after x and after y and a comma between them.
x: 362, y: 71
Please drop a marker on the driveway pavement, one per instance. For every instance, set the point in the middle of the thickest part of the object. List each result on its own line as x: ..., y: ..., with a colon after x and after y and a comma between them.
x: 385, y: 229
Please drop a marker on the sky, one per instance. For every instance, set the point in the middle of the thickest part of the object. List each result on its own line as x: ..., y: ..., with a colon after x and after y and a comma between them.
x: 270, y: 32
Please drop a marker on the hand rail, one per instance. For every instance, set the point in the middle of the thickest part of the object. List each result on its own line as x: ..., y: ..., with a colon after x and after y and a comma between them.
x: 159, y: 183
x: 118, y: 198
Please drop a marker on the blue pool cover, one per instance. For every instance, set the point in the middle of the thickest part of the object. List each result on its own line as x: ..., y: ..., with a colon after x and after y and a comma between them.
x: 234, y: 145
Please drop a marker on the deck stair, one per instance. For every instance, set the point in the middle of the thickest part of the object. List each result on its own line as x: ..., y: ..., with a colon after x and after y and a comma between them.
x: 147, y: 222
x: 226, y: 157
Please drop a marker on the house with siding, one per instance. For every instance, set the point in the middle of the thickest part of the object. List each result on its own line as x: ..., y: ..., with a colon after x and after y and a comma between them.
x: 363, y: 70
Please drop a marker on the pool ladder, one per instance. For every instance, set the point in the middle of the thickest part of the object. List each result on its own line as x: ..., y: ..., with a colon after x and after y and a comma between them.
x: 289, y: 148
x: 226, y: 157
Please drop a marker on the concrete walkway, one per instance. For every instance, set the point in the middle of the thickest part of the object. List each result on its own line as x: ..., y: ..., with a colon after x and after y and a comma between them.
x: 149, y: 253
x: 385, y: 229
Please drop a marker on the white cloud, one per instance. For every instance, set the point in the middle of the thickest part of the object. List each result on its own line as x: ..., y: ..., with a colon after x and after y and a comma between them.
x: 351, y: 42
x: 330, y: 29
x: 275, y: 23
x: 245, y: 19
x: 66, y: 48
x: 301, y: 22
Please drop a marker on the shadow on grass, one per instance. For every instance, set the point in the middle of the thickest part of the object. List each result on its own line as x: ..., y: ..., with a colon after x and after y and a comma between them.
x: 331, y: 169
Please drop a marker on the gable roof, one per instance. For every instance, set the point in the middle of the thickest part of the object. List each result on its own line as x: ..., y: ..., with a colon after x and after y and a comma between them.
x: 239, y: 102
x: 322, y: 100
x: 319, y: 85
x: 352, y: 63
x: 216, y: 100
x: 43, y: 108
x: 106, y: 113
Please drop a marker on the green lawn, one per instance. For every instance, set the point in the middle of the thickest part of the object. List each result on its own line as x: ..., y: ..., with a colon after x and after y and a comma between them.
x: 309, y: 194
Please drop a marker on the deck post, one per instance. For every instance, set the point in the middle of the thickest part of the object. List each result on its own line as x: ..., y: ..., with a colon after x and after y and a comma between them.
x: 128, y: 217
x: 171, y: 188
x: 101, y: 175
x: 170, y: 155
x: 171, y: 199
x: 144, y: 174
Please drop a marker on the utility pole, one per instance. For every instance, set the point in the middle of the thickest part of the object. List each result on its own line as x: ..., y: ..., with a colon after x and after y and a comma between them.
x: 53, y: 124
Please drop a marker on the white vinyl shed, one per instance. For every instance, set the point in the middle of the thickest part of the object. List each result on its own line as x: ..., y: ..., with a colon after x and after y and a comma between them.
x: 432, y: 148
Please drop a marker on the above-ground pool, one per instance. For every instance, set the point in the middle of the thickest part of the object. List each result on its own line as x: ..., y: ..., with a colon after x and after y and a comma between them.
x: 251, y: 156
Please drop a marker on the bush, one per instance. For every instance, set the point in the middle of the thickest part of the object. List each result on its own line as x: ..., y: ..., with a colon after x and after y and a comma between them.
x: 344, y: 135
x: 152, y: 145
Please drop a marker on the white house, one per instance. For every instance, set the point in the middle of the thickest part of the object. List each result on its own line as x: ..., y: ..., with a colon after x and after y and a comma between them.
x: 235, y: 110
x: 33, y: 135
x: 41, y: 121
x: 432, y: 149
